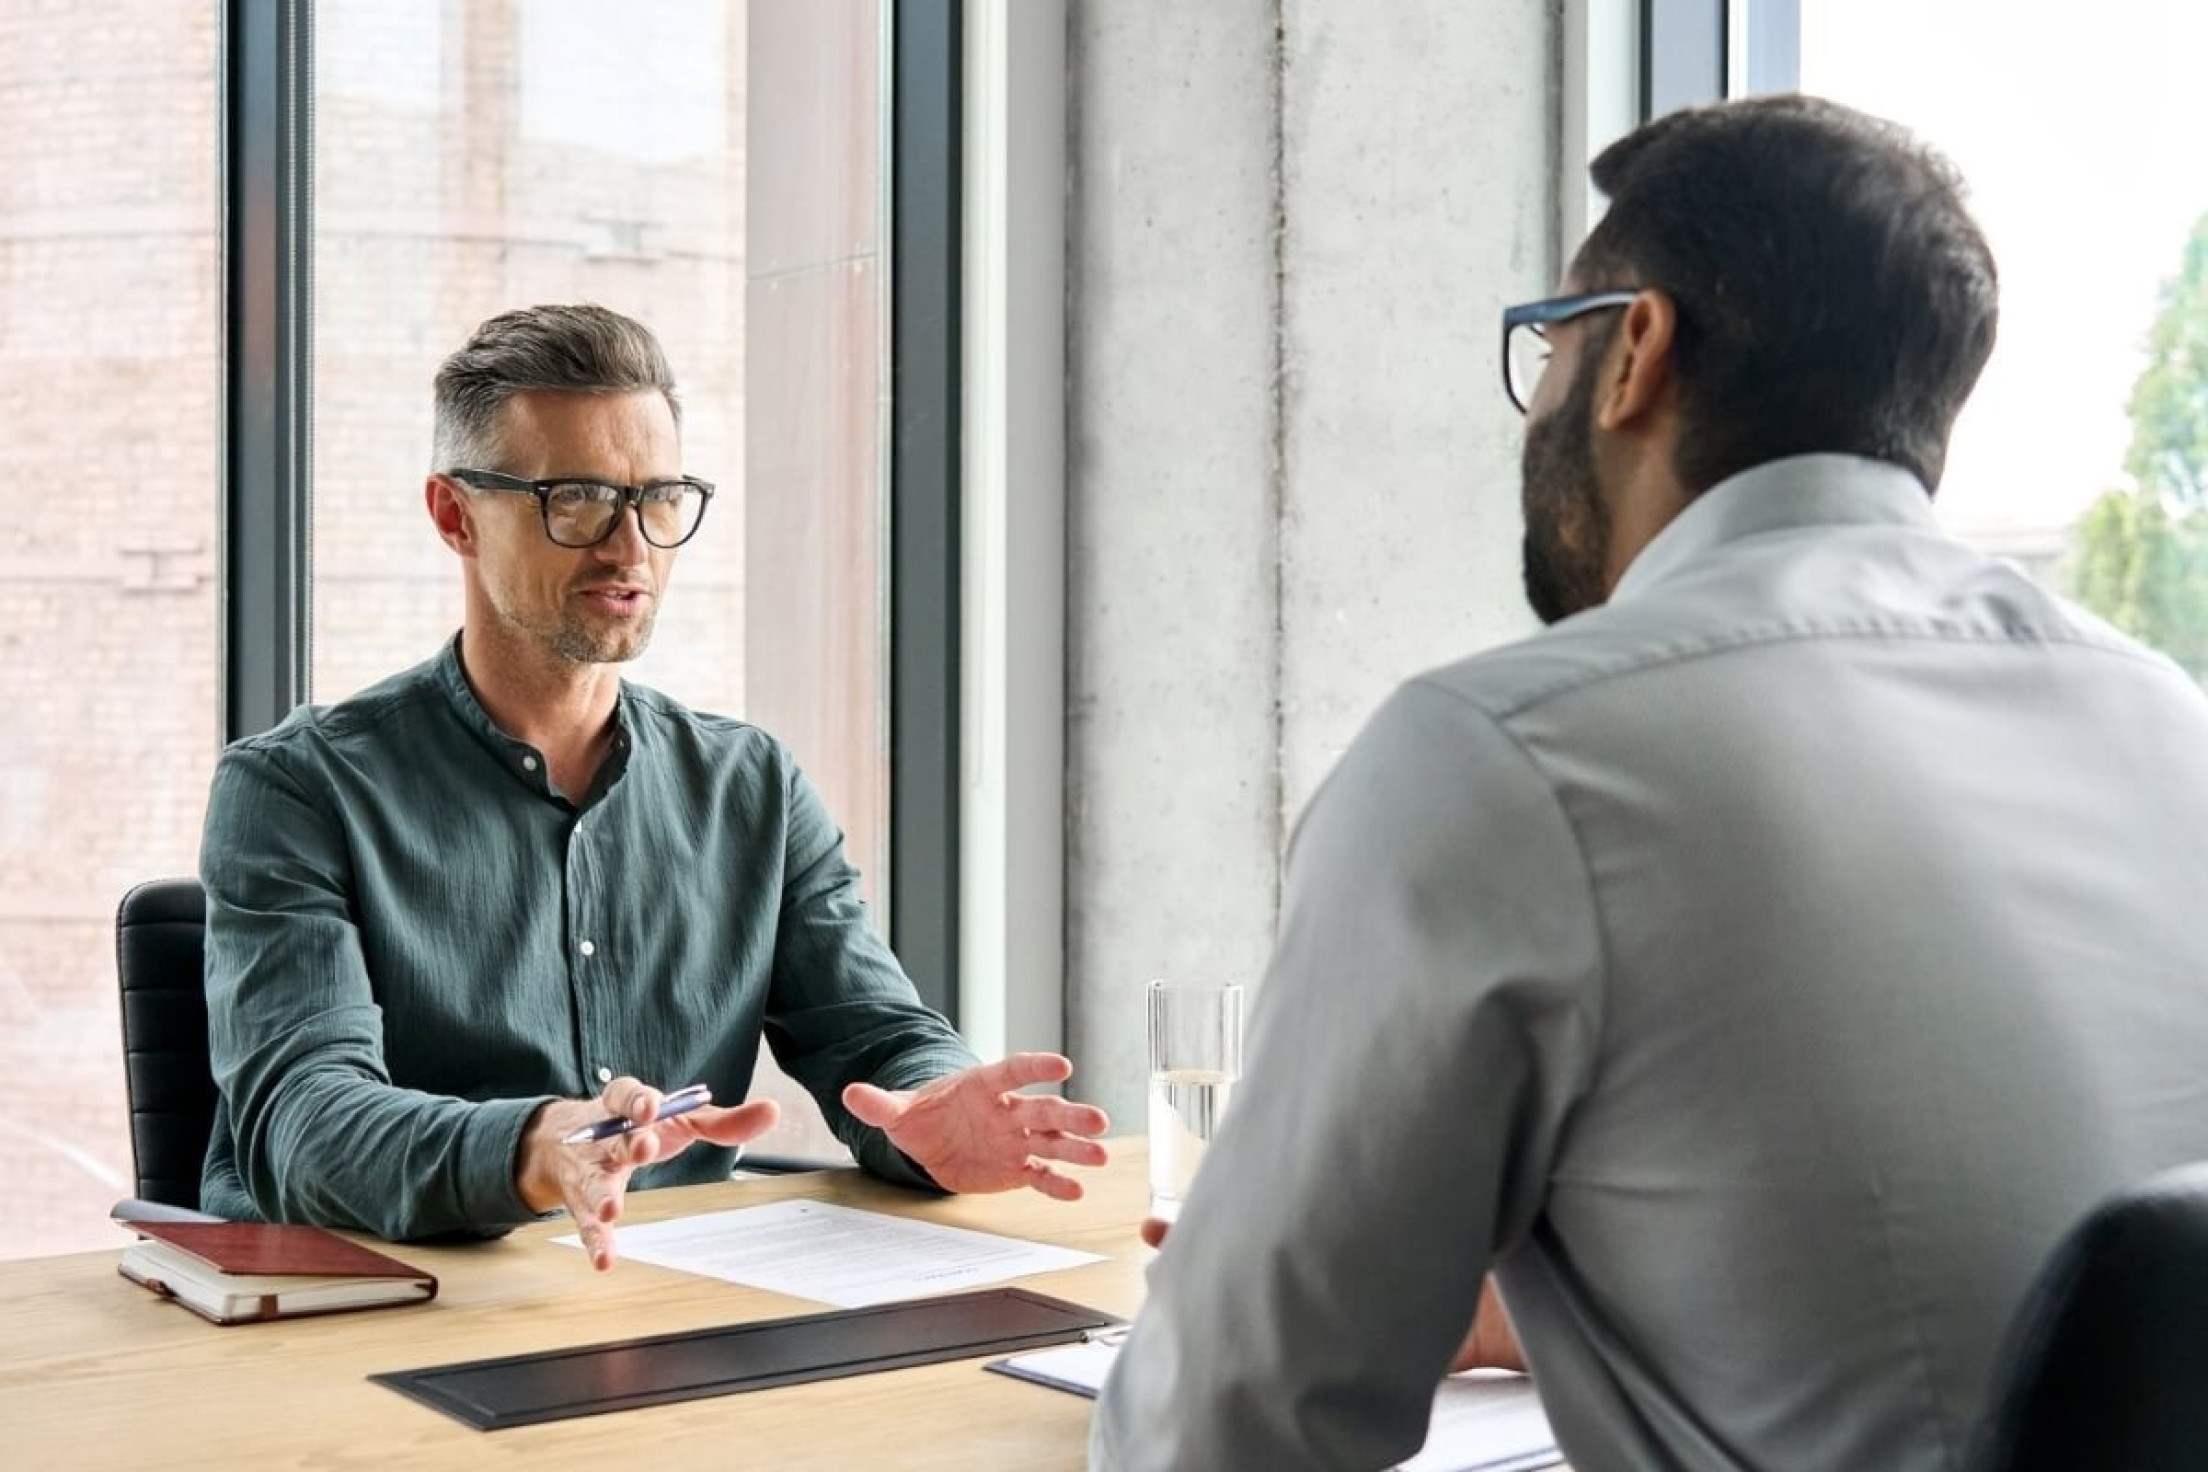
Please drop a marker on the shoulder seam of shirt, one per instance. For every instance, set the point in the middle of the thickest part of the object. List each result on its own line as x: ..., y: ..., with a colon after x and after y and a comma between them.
x: 1740, y: 642
x: 262, y: 744
x: 1601, y: 1019
x: 334, y: 722
x: 668, y: 709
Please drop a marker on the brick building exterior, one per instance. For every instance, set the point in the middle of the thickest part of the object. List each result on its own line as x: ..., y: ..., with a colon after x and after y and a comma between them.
x: 471, y: 155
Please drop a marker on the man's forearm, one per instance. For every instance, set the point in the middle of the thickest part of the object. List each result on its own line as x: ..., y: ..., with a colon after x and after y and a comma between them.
x: 887, y: 1040
x: 332, y: 1148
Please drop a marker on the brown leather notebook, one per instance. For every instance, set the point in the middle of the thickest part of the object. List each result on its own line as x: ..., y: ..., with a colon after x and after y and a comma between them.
x: 244, y: 1272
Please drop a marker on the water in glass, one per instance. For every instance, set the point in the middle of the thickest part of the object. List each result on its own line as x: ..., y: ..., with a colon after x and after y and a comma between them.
x: 1186, y: 1105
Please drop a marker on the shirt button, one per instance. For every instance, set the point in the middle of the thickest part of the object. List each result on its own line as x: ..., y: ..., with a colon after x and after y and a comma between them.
x: 589, y: 949
x: 528, y: 764
x: 605, y: 1075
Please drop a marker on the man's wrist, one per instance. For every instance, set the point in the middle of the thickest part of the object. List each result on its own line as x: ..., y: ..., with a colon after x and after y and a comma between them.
x: 535, y: 1186
x: 488, y: 1166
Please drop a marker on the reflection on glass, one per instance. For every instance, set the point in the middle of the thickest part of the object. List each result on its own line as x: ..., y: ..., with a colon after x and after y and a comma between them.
x: 109, y: 704
x: 708, y: 167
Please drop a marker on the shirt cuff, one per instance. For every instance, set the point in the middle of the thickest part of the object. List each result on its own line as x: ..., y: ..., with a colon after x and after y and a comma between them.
x: 911, y: 1071
x: 490, y: 1154
x: 895, y: 1166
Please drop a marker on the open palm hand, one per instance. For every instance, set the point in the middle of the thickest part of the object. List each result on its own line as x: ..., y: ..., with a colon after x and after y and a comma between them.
x: 971, y: 1131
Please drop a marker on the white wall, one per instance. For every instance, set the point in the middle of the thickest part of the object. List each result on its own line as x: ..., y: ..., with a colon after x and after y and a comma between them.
x: 1291, y: 472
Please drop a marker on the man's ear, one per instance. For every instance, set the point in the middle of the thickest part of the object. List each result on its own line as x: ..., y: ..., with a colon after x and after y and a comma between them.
x: 451, y: 514
x: 1640, y: 370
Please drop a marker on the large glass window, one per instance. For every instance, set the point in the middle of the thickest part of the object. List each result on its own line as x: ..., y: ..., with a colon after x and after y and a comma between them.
x: 709, y: 167
x: 2084, y: 453
x: 110, y: 713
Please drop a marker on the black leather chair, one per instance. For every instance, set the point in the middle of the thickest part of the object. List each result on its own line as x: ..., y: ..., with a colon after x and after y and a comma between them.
x: 2106, y: 1365
x: 159, y: 935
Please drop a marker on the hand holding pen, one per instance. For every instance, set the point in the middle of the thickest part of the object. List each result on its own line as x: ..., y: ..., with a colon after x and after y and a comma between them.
x: 580, y: 1153
x: 681, y: 1101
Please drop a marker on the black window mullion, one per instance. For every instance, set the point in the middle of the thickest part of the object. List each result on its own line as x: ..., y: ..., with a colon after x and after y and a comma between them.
x: 924, y: 495
x: 267, y: 396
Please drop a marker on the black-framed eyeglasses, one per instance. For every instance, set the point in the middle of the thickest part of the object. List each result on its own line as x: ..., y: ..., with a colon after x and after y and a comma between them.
x: 583, y: 513
x: 1526, y: 336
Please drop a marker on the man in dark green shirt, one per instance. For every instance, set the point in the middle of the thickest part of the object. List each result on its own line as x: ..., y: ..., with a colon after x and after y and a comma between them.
x: 478, y: 905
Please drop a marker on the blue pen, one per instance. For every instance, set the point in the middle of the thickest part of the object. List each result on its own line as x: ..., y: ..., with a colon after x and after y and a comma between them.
x: 681, y: 1101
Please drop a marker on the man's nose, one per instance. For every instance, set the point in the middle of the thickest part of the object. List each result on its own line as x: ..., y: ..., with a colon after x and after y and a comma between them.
x: 625, y: 545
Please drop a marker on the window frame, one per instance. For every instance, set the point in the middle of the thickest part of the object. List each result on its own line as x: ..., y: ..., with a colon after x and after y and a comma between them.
x: 265, y: 176
x: 1696, y: 51
x: 266, y: 435
x: 925, y: 475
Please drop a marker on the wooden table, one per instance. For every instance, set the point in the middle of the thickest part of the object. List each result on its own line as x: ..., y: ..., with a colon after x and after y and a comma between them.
x: 96, y: 1372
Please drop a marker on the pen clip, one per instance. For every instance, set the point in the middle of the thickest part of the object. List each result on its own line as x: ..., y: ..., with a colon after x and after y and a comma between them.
x: 1115, y: 1336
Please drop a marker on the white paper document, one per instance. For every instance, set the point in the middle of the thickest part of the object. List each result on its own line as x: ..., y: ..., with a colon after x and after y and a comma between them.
x: 1080, y: 1368
x: 836, y: 1254
x: 1484, y: 1421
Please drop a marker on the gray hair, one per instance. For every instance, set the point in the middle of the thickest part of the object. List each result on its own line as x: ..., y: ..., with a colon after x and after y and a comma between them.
x: 567, y: 349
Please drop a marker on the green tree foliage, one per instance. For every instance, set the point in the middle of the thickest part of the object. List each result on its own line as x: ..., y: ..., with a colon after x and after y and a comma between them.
x: 2169, y: 405
x: 2142, y: 564
x: 2140, y: 555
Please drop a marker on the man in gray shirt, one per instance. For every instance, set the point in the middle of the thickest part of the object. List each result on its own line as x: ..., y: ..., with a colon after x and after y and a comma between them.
x: 1759, y: 970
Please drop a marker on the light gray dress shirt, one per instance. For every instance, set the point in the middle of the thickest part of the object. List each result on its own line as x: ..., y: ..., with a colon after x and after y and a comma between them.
x: 1760, y: 972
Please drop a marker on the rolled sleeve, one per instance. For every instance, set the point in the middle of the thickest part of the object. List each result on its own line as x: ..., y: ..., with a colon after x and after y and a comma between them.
x: 490, y: 1153
x: 310, y: 1127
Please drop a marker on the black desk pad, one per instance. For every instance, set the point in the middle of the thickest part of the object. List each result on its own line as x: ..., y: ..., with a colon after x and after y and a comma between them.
x: 552, y: 1385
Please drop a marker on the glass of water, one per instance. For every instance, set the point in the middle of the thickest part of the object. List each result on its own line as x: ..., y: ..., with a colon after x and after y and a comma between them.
x: 1195, y: 1058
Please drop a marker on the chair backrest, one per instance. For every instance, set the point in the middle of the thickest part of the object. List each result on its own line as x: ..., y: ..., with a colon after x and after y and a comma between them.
x: 160, y: 934
x: 2106, y: 1364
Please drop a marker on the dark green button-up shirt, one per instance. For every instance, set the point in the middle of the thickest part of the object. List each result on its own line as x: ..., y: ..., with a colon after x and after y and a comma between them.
x: 413, y: 941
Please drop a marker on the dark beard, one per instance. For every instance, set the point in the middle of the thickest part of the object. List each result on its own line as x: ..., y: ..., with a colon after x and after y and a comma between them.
x: 1567, y: 537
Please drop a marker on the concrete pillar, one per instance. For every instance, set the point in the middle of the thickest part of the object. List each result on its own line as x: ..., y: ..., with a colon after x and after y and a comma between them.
x: 1172, y: 521
x: 1419, y: 159
x: 1292, y: 473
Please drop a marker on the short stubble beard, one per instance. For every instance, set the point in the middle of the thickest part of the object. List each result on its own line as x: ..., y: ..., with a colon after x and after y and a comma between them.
x: 575, y: 641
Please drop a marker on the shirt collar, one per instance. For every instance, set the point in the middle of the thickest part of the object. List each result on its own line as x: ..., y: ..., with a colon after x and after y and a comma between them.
x: 1780, y: 495
x: 521, y: 760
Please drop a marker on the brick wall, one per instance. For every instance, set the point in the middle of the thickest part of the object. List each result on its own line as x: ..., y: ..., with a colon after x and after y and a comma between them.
x: 108, y: 680
x: 466, y: 162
